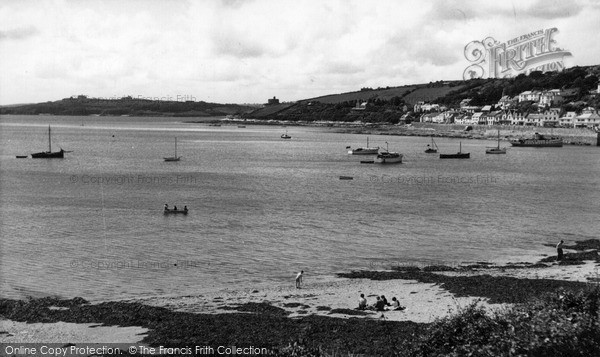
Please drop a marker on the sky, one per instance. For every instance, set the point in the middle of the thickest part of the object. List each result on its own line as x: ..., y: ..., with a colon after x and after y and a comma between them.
x: 246, y: 51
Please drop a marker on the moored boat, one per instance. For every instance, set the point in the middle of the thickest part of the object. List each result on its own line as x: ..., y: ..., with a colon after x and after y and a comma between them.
x: 173, y: 158
x: 458, y: 155
x: 431, y: 149
x: 496, y: 150
x: 365, y: 150
x: 49, y: 154
x: 539, y: 141
x: 285, y: 136
x: 387, y: 157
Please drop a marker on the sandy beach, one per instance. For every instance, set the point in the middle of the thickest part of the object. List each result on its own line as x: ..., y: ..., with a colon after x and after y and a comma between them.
x: 319, y: 296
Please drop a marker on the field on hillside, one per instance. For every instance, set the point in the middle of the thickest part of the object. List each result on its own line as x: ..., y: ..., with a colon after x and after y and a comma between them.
x: 410, y: 94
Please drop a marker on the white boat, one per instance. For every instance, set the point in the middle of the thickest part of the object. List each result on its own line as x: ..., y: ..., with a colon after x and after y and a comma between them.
x: 285, y: 136
x: 365, y: 150
x: 174, y: 158
x: 387, y: 157
x: 496, y: 150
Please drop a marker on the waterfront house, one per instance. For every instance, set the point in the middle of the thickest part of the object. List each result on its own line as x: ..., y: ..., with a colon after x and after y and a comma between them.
x: 476, y: 118
x: 568, y: 120
x: 589, y: 118
x: 493, y: 118
x: 513, y: 117
x: 462, y: 119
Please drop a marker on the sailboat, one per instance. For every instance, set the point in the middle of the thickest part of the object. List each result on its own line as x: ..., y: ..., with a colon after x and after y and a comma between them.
x: 285, y: 136
x: 496, y: 150
x: 173, y: 158
x: 49, y: 154
x: 365, y: 150
x: 387, y: 157
x: 433, y: 148
x: 458, y: 155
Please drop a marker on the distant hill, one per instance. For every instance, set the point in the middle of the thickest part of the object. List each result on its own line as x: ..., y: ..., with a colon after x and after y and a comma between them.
x: 83, y: 105
x: 389, y: 104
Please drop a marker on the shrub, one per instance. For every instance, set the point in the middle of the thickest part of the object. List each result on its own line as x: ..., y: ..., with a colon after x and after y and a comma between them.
x: 560, y: 324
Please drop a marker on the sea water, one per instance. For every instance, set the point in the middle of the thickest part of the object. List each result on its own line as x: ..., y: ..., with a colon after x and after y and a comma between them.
x: 262, y: 208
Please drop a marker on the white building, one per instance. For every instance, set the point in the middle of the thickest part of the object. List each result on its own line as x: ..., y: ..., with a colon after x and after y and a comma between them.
x: 551, y: 97
x: 533, y: 96
x: 568, y: 120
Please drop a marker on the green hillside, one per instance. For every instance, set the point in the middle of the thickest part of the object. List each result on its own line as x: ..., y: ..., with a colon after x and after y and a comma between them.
x: 83, y: 105
x: 389, y: 104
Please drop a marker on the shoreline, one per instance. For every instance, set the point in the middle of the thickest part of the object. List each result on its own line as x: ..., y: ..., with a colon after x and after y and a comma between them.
x: 428, y: 293
x: 571, y: 136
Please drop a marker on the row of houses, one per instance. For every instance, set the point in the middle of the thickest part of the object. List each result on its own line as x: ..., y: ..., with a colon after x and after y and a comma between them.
x: 548, y: 98
x: 552, y: 117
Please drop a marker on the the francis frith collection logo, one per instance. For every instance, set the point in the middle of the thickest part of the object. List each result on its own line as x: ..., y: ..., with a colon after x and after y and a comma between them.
x: 535, y: 51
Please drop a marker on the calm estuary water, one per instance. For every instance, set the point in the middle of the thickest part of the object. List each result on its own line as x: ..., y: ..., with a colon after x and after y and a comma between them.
x: 262, y: 208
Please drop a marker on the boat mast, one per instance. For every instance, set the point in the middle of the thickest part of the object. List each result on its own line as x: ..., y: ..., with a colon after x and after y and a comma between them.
x: 498, y: 139
x: 175, y: 146
x: 49, y: 140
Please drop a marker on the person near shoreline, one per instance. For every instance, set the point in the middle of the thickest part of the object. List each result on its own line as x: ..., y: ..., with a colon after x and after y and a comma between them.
x: 362, y: 302
x: 559, y: 250
x: 299, y: 279
x: 166, y: 207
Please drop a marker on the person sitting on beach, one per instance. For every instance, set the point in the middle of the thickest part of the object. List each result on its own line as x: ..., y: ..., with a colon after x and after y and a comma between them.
x: 166, y: 207
x: 185, y: 208
x: 362, y: 302
x: 175, y: 208
x: 396, y: 304
x: 379, y: 305
x: 385, y: 302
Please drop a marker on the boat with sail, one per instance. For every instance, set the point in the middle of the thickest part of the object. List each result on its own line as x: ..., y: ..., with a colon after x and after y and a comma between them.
x: 433, y: 148
x: 539, y: 141
x: 387, y: 157
x: 365, y: 150
x: 285, y: 136
x: 458, y: 155
x: 49, y: 154
x: 496, y: 150
x: 174, y: 158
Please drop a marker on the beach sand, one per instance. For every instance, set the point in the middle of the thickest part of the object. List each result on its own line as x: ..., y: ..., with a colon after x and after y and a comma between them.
x: 424, y: 302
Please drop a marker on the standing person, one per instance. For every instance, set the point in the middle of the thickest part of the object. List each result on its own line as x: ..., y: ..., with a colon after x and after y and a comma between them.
x: 299, y: 279
x: 559, y: 250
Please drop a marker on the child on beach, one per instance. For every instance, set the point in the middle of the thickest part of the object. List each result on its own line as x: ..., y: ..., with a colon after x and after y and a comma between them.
x: 299, y: 279
x: 559, y: 250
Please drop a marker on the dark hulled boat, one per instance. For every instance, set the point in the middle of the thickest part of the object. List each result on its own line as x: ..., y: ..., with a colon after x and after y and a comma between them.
x: 458, y: 155
x: 49, y: 154
x: 539, y: 141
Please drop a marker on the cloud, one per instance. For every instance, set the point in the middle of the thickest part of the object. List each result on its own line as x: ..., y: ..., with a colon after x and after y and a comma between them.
x: 19, y: 33
x: 553, y: 9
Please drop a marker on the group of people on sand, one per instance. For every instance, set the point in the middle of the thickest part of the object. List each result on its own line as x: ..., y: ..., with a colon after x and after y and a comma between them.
x: 381, y: 304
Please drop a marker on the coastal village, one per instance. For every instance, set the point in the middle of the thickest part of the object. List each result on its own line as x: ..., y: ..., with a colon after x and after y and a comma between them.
x: 550, y: 111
